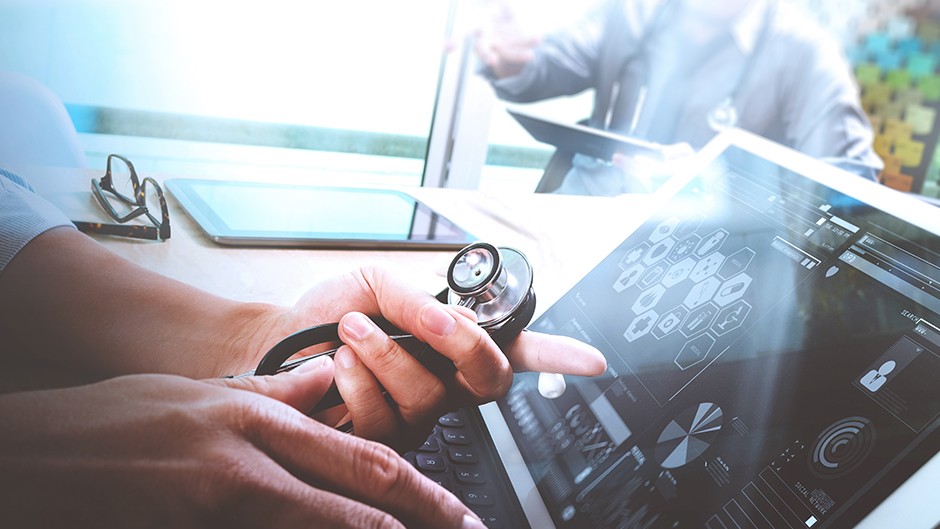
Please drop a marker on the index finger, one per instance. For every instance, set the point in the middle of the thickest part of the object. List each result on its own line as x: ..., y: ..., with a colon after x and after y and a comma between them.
x: 546, y: 353
x: 452, y: 331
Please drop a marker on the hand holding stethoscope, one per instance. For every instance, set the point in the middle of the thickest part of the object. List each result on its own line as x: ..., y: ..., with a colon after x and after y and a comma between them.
x: 496, y: 283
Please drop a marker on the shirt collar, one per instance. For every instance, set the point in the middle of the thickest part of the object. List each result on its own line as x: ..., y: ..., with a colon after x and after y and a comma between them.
x: 749, y: 26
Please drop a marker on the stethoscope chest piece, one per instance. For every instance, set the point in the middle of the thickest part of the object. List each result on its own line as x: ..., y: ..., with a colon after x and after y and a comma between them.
x: 724, y: 116
x: 495, y: 282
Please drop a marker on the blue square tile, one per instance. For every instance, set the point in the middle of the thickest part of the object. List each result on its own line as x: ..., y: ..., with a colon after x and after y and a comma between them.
x: 909, y: 46
x: 877, y: 43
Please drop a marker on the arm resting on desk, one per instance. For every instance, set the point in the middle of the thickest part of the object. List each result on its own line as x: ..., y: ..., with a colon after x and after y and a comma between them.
x: 66, y: 302
x: 71, y: 304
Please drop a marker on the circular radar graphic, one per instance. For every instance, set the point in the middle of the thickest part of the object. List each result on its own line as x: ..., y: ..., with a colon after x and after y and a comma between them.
x: 841, y: 447
x: 688, y: 435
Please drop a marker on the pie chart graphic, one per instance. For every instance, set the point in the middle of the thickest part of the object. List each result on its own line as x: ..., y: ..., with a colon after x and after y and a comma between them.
x: 688, y: 435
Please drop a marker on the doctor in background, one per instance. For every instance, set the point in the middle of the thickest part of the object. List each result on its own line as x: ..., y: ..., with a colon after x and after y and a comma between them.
x: 679, y: 72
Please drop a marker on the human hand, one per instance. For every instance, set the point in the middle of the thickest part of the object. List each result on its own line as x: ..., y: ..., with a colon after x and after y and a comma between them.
x: 501, y: 44
x: 161, y: 450
x: 649, y: 173
x: 370, y: 360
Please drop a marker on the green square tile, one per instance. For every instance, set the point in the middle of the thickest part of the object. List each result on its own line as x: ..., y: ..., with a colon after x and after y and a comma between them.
x: 867, y: 74
x: 928, y: 30
x: 921, y: 65
x: 898, y: 79
x: 930, y: 86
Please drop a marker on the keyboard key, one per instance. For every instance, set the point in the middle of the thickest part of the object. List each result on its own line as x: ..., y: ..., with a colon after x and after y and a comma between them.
x: 451, y: 420
x: 442, y: 480
x: 477, y: 497
x: 430, y: 462
x: 463, y: 456
x: 470, y: 477
x: 455, y: 437
x: 490, y: 520
x: 430, y: 445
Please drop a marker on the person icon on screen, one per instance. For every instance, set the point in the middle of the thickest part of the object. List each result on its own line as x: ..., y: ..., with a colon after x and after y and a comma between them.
x: 873, y: 380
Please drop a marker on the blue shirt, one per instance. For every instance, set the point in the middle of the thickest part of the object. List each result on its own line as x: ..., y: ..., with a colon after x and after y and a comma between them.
x: 23, y: 216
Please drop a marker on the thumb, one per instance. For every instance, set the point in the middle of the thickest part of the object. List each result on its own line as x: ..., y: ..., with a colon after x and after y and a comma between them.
x: 300, y: 388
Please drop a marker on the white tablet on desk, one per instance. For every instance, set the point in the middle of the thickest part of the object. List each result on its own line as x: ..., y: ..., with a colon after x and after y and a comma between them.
x: 266, y: 214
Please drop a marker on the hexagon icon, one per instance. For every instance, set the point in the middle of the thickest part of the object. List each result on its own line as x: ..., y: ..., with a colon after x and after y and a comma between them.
x: 699, y: 320
x: 641, y: 325
x: 649, y: 299
x: 658, y: 251
x: 633, y: 256
x: 669, y: 322
x: 732, y: 289
x: 694, y: 351
x: 702, y: 293
x: 711, y: 243
x: 736, y: 263
x: 664, y: 229
x: 688, y: 226
x: 629, y: 277
x: 731, y: 317
x: 653, y: 275
x: 707, y: 267
x: 683, y: 248
x: 678, y: 272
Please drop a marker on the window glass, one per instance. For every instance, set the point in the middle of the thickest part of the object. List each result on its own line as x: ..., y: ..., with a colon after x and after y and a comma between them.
x: 514, y: 160
x: 279, y: 85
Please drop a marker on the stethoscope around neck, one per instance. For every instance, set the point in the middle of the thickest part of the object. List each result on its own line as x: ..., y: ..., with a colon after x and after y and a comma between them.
x: 722, y: 116
x: 496, y: 283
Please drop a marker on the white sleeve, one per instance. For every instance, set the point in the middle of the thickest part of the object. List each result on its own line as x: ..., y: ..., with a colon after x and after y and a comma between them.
x: 23, y: 216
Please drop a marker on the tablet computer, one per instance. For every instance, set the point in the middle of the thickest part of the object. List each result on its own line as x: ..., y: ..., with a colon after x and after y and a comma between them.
x: 267, y: 214
x: 589, y: 141
x: 772, y: 335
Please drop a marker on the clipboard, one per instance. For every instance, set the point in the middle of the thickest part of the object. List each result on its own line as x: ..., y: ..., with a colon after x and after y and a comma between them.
x: 585, y: 140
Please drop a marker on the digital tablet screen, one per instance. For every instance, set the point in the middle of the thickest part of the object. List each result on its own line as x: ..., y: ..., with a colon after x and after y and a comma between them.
x: 773, y: 349
x: 249, y: 213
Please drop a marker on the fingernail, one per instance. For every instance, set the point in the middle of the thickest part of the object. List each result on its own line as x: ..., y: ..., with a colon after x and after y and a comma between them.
x: 471, y: 522
x: 312, y: 365
x: 439, y: 321
x: 358, y: 326
x: 346, y: 358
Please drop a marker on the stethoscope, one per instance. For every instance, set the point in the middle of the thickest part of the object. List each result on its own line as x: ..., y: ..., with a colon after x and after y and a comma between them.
x: 725, y: 114
x: 496, y: 283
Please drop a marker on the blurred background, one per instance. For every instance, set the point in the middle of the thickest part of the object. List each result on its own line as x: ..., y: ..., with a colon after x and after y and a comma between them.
x: 369, y: 92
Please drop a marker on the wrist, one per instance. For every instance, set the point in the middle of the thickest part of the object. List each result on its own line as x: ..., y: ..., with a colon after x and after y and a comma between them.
x: 254, y: 328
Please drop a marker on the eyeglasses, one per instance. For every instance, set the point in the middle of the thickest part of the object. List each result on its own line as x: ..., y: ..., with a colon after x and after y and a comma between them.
x: 124, y: 197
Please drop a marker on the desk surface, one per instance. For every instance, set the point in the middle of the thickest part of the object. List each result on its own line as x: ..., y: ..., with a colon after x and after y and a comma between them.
x: 563, y: 236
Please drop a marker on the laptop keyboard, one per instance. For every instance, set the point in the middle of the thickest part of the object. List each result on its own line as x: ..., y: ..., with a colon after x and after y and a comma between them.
x: 458, y: 457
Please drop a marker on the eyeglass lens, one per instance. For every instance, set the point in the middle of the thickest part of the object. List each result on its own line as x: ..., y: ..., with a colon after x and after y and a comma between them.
x: 121, y: 178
